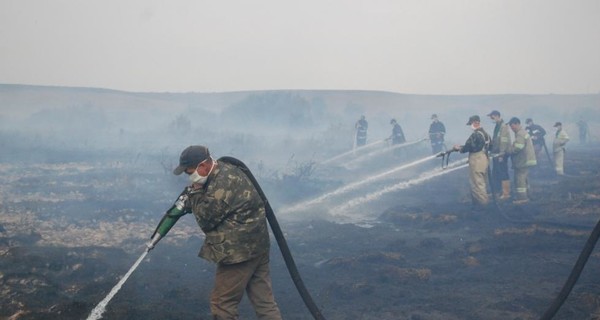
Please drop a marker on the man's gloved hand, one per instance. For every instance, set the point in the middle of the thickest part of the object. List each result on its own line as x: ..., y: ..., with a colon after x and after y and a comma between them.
x: 183, y: 203
x: 187, y: 208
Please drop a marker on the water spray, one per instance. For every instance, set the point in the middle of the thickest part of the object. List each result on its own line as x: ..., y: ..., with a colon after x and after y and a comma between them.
x: 101, y: 307
x: 347, y: 153
x: 171, y: 216
x: 399, y: 186
x: 354, y: 185
x: 352, y: 163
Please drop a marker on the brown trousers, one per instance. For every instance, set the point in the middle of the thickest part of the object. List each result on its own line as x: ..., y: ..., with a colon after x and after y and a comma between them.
x: 232, y: 280
x: 478, y: 165
x: 479, y: 187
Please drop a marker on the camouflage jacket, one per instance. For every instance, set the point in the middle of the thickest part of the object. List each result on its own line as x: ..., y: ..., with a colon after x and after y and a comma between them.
x: 523, y: 154
x: 232, y: 215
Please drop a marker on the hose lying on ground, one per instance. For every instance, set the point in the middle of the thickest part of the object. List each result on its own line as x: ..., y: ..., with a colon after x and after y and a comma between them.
x: 285, y: 250
x: 577, y: 268
x: 575, y: 273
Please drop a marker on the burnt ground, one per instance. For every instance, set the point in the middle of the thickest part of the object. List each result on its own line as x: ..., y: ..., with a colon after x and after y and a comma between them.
x: 429, y: 256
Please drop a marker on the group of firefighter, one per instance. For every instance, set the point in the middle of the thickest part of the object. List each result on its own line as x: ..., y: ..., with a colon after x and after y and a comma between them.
x: 523, y: 150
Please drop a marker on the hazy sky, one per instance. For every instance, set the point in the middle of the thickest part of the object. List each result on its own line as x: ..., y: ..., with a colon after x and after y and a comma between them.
x: 407, y: 46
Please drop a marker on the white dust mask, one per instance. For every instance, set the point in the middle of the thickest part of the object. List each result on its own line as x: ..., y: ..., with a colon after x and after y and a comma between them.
x: 196, y: 178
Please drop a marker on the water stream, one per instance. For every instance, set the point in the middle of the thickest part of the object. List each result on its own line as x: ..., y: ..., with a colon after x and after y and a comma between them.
x: 303, y: 205
x: 347, y: 153
x: 101, y: 307
x: 344, y: 208
x: 352, y: 164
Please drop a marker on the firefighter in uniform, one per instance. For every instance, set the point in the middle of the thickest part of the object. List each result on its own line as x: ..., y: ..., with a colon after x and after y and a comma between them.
x: 537, y: 134
x: 437, y: 130
x: 500, y: 152
x: 397, y: 136
x: 361, y: 127
x: 558, y: 147
x: 476, y: 145
x: 584, y: 131
x: 523, y: 157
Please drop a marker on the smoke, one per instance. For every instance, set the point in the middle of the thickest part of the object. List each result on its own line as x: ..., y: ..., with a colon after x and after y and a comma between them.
x: 92, y: 168
x: 298, y: 143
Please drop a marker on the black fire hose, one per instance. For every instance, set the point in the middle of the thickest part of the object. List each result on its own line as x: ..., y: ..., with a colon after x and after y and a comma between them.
x: 575, y: 273
x: 546, y: 149
x: 445, y: 157
x: 491, y: 180
x: 285, y: 250
x: 577, y: 268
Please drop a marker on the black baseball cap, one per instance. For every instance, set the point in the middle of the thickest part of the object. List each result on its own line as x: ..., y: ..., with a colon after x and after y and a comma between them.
x: 473, y: 119
x: 494, y: 113
x: 191, y: 157
x: 558, y: 124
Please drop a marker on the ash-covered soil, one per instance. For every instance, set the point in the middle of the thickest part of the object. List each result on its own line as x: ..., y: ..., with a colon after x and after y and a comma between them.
x: 69, y: 232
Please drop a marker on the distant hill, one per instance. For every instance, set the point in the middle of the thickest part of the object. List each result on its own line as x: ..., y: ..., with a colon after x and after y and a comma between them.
x: 92, y: 114
x: 19, y: 100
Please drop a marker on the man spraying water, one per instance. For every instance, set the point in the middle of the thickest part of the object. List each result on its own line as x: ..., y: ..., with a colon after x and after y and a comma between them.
x: 231, y: 213
x: 477, y: 145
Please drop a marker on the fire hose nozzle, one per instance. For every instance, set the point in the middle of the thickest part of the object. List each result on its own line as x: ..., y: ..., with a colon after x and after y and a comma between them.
x: 445, y: 153
x: 150, y: 245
